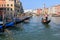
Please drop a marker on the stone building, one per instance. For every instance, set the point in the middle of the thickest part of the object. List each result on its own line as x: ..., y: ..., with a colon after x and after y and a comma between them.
x: 11, y: 7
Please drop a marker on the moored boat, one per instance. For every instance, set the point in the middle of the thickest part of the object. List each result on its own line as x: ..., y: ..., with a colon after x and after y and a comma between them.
x: 9, y: 24
x: 1, y: 26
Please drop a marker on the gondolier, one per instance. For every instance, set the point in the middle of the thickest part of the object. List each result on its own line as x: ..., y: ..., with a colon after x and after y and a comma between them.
x: 45, y: 17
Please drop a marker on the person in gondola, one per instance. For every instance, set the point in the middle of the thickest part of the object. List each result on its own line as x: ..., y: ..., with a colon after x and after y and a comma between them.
x: 45, y: 18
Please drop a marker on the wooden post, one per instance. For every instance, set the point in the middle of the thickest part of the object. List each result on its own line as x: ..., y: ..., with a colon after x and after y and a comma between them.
x: 3, y: 19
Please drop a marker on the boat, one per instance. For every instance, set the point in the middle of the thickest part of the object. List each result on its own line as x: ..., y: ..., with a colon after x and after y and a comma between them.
x: 47, y: 22
x: 9, y: 24
x: 26, y: 21
x: 17, y: 20
x: 1, y: 27
x: 45, y: 16
x: 1, y: 24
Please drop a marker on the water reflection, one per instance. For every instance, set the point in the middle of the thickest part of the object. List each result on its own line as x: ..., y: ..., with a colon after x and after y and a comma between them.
x: 56, y: 20
x: 18, y: 27
x: 47, y: 25
x: 2, y: 36
x: 6, y: 36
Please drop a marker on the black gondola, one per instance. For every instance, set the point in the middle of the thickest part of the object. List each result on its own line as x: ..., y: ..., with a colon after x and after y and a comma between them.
x: 46, y: 22
x: 19, y: 20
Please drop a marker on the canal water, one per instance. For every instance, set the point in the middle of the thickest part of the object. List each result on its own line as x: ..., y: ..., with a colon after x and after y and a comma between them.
x: 33, y: 30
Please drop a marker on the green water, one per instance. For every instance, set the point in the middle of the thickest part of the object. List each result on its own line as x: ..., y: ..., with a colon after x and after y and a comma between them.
x: 34, y: 30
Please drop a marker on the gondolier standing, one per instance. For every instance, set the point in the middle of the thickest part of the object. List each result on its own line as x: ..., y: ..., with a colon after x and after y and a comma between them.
x: 45, y: 18
x: 45, y: 15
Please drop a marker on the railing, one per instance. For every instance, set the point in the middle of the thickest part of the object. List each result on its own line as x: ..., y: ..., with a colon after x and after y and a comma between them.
x: 17, y: 5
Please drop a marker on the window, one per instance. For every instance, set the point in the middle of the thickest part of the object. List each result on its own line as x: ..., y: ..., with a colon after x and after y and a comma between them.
x: 10, y: 0
x: 11, y: 9
x: 3, y: 0
x: 2, y: 5
x: 17, y: 10
x: 8, y: 9
x: 7, y: 4
x: 11, y: 4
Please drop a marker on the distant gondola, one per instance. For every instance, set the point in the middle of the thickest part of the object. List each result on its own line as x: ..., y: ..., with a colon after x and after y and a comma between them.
x: 47, y: 22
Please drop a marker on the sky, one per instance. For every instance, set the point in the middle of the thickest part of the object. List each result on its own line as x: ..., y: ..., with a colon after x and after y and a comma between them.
x: 34, y: 4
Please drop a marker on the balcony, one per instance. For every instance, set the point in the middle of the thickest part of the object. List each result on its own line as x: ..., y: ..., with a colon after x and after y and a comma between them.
x: 17, y: 5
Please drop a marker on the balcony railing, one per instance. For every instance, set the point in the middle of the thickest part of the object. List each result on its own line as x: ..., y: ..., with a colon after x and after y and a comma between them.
x: 17, y: 5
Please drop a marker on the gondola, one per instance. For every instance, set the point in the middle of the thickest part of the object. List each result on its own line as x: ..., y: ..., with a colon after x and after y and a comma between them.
x: 17, y: 20
x: 47, y: 22
x: 9, y: 24
x: 1, y: 28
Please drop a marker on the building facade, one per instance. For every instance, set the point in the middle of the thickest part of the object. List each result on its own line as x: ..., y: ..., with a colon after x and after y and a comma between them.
x: 8, y: 5
x: 39, y: 11
x: 12, y: 7
x: 57, y: 7
x: 54, y: 9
